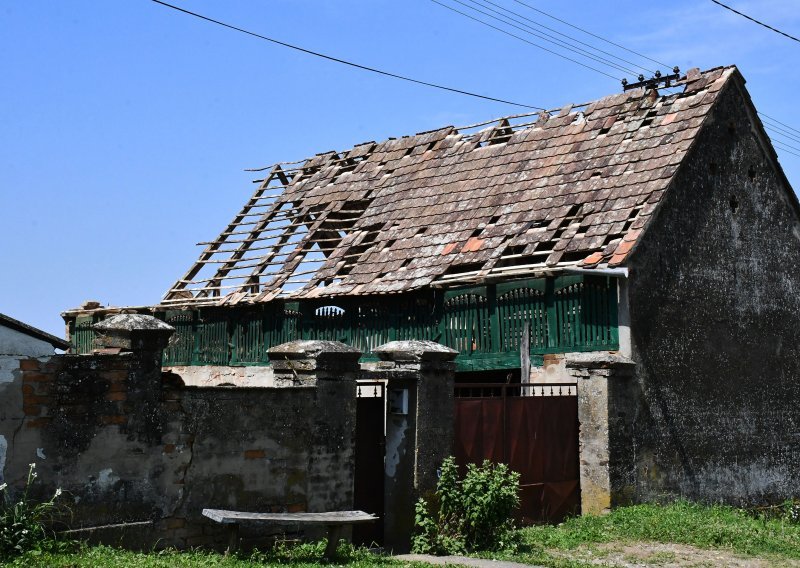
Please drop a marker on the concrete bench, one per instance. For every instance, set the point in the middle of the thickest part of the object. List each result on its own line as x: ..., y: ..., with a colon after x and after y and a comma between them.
x: 335, y: 521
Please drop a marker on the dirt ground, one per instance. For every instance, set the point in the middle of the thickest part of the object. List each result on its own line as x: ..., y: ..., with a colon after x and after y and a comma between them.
x: 649, y: 554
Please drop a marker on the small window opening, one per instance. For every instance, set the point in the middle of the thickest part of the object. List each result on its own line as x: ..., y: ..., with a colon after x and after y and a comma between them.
x: 713, y: 167
x: 751, y: 173
x: 734, y: 203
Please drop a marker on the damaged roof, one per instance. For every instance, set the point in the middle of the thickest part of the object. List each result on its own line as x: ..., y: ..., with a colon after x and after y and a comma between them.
x: 560, y: 188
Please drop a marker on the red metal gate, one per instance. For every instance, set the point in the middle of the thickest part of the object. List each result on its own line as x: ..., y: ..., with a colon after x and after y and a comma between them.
x: 533, y: 429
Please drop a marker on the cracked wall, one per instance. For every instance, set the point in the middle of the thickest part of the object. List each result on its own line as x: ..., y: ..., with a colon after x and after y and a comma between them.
x: 127, y: 444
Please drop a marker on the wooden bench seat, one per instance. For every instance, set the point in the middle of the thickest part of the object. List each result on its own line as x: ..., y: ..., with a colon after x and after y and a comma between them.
x: 334, y: 520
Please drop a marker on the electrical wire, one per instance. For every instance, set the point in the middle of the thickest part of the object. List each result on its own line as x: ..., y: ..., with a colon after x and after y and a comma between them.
x: 587, y: 32
x: 555, y: 31
x: 776, y: 30
x: 343, y: 61
x: 501, y: 30
x: 785, y: 148
x: 546, y: 37
x: 775, y: 120
x: 782, y: 133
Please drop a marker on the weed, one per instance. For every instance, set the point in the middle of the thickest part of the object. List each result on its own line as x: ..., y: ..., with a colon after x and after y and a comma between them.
x: 469, y: 514
x: 23, y: 522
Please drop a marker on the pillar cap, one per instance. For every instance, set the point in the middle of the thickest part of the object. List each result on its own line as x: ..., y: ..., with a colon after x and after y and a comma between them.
x: 132, y: 322
x: 415, y: 351
x: 313, y: 349
x: 132, y: 332
x: 598, y: 360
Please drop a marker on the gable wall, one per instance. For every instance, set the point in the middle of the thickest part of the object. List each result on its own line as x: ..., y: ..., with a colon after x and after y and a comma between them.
x: 714, y: 304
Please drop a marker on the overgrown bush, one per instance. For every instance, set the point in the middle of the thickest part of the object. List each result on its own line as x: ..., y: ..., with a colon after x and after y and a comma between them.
x: 23, y: 522
x: 469, y: 514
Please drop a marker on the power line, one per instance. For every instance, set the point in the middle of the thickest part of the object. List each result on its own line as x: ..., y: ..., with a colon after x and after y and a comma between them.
x: 783, y: 133
x: 547, y: 37
x: 785, y: 148
x: 345, y: 62
x: 608, y: 41
x: 777, y: 121
x: 501, y: 30
x: 776, y: 30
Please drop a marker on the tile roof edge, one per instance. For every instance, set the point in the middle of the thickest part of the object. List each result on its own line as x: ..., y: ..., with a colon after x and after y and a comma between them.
x: 735, y: 78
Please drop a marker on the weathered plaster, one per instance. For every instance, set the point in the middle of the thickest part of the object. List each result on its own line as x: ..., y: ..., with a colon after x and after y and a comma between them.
x: 218, y: 375
x: 714, y: 297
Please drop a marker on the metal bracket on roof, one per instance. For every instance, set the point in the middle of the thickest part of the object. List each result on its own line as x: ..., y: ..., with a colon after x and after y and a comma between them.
x: 653, y: 82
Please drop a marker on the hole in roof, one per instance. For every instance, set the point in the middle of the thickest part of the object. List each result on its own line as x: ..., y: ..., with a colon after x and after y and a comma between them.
x: 519, y: 259
x: 494, y: 219
x: 463, y: 268
x: 476, y: 233
x: 546, y: 245
x: 431, y: 146
x: 421, y: 231
x: 406, y: 262
x: 389, y: 244
x: 573, y: 256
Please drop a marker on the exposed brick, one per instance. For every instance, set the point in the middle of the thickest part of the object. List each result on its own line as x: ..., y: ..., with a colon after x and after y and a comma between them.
x: 28, y: 389
x: 29, y: 365
x: 296, y: 507
x: 175, y: 523
x: 169, y: 448
x: 38, y: 422
x: 113, y: 419
x: 30, y: 399
x: 32, y: 377
x: 254, y: 454
x: 31, y: 409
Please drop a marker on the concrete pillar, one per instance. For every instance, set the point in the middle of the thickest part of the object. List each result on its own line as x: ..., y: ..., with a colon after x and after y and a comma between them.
x: 419, y: 428
x: 606, y: 409
x: 331, y: 368
x: 142, y: 340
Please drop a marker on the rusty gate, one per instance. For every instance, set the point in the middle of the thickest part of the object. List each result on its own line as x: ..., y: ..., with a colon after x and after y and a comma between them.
x: 370, y: 450
x: 534, y: 430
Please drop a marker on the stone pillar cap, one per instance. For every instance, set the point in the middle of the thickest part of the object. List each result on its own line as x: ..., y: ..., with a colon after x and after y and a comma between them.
x: 132, y: 322
x: 597, y: 360
x: 415, y: 351
x: 314, y: 349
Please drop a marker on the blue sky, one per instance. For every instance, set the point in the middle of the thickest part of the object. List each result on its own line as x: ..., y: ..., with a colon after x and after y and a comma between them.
x: 125, y: 127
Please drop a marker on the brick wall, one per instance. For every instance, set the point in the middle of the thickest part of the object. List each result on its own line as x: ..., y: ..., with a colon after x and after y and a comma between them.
x: 127, y: 444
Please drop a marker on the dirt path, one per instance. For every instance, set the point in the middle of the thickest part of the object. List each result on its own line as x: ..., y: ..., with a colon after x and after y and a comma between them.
x: 649, y: 554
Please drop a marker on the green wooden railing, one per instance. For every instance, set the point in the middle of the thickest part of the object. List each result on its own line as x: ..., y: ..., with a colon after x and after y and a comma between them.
x: 485, y: 324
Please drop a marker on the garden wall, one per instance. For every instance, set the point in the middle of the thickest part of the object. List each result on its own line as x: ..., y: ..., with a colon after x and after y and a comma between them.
x: 129, y: 444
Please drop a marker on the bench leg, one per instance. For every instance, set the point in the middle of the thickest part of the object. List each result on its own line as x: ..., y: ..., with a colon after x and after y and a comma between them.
x: 334, y: 533
x: 233, y: 538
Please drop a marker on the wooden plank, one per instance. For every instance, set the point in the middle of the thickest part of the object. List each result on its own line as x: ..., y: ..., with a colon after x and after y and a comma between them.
x: 225, y: 517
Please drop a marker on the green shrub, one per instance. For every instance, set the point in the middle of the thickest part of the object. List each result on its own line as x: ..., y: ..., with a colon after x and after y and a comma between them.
x: 470, y: 514
x: 24, y: 523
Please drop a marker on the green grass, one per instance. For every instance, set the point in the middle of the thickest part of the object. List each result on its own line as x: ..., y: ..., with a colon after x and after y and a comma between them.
x: 302, y: 556
x: 709, y: 527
